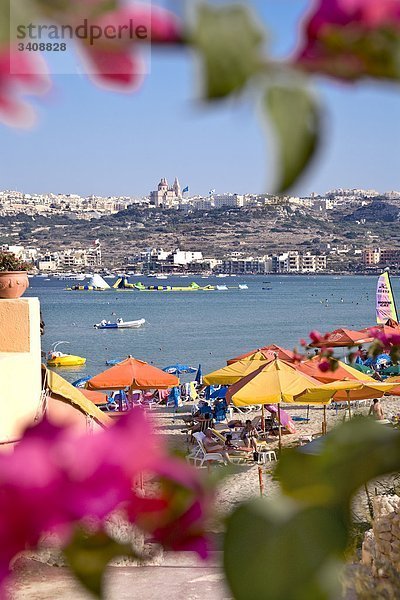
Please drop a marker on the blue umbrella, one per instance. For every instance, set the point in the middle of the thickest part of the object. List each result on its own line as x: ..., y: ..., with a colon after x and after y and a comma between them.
x: 199, y: 376
x: 178, y: 369
x: 221, y: 393
x: 210, y: 389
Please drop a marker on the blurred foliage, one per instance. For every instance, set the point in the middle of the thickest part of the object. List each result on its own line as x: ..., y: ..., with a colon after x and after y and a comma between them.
x: 88, y: 555
x: 309, y: 526
x: 230, y: 46
x: 296, y: 117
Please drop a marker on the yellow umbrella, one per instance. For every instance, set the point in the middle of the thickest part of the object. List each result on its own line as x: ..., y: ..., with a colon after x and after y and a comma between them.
x: 234, y: 372
x: 275, y: 382
x: 348, y: 390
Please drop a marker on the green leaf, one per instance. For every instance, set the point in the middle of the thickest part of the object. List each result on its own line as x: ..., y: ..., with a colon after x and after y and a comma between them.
x: 351, y: 455
x: 88, y: 555
x: 230, y: 45
x: 295, y: 116
x: 263, y: 536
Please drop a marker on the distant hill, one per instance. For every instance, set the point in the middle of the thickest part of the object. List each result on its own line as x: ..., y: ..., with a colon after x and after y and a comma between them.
x: 378, y: 211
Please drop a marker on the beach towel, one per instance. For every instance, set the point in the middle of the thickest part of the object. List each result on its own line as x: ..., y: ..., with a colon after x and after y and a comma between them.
x: 286, y: 420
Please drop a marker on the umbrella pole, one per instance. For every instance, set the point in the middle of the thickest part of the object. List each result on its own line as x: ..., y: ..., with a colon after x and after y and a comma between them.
x: 260, y: 481
x: 348, y: 402
x: 308, y: 412
x: 324, y: 423
x: 262, y: 418
x: 279, y: 427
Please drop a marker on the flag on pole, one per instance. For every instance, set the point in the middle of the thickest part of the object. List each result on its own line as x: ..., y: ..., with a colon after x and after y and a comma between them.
x: 185, y: 190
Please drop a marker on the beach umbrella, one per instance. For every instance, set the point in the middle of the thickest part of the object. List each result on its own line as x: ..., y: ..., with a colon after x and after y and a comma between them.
x: 132, y: 373
x: 178, y: 369
x: 343, y: 374
x: 265, y: 353
x: 275, y: 382
x: 97, y: 398
x: 388, y: 328
x: 342, y: 371
x: 272, y: 383
x: 341, y: 338
x: 234, y: 372
x: 199, y: 376
x: 349, y: 390
x: 395, y: 391
x: 219, y: 393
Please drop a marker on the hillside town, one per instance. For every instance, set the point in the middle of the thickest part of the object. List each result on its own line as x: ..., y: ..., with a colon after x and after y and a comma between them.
x: 230, y: 233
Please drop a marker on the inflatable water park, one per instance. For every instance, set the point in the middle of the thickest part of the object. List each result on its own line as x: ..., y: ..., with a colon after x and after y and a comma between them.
x: 98, y: 284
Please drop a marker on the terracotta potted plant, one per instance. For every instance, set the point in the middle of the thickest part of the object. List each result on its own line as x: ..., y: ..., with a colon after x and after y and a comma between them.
x: 13, y: 276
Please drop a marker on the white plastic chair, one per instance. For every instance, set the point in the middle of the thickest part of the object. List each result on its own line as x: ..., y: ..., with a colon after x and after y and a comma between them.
x: 200, y: 455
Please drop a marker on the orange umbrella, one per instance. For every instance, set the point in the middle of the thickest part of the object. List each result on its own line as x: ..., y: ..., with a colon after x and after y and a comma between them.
x: 132, y: 373
x: 396, y: 381
x: 342, y: 372
x: 97, y: 398
x: 385, y: 329
x: 265, y: 353
x: 343, y: 337
x: 369, y: 387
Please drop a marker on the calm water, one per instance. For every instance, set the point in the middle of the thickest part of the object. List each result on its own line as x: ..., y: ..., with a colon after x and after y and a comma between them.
x: 201, y: 327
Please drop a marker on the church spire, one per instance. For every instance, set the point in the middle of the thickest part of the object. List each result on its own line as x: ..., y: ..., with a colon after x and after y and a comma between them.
x: 177, y: 188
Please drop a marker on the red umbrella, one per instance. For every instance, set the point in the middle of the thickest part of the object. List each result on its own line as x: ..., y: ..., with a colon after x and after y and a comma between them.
x: 266, y: 352
x: 342, y: 337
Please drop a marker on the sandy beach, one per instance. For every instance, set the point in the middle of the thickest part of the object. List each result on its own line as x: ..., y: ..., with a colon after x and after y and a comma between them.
x: 244, y: 482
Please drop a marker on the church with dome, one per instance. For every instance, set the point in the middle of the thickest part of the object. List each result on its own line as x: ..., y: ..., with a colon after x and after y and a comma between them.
x: 165, y: 196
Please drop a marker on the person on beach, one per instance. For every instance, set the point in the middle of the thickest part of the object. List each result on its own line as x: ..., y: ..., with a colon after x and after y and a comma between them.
x: 249, y: 435
x: 211, y: 445
x: 376, y: 410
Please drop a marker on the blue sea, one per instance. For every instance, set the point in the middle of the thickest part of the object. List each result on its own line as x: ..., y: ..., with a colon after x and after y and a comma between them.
x: 204, y: 328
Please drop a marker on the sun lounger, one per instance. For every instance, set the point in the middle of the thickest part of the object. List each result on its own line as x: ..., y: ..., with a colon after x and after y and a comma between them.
x: 200, y: 455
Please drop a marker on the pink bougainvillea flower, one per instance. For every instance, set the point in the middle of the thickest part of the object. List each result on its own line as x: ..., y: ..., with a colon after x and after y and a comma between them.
x: 324, y: 365
x: 185, y: 532
x: 315, y: 336
x: 116, y: 61
x: 54, y: 479
x: 20, y: 74
x: 350, y: 39
x: 110, y: 43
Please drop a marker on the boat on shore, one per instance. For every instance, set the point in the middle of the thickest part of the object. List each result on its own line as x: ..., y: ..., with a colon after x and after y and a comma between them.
x: 120, y: 324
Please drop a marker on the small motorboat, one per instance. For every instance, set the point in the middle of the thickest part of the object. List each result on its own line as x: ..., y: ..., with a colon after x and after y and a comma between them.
x: 120, y: 324
x: 60, y: 359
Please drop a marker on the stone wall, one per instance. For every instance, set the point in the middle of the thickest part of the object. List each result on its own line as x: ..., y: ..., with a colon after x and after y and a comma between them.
x: 381, y: 546
x: 20, y: 374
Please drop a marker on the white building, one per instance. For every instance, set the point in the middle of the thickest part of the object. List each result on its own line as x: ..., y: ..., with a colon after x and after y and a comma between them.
x: 181, y: 257
x: 228, y: 200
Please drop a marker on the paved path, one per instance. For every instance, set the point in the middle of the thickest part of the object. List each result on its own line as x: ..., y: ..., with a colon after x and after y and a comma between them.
x: 189, y: 581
